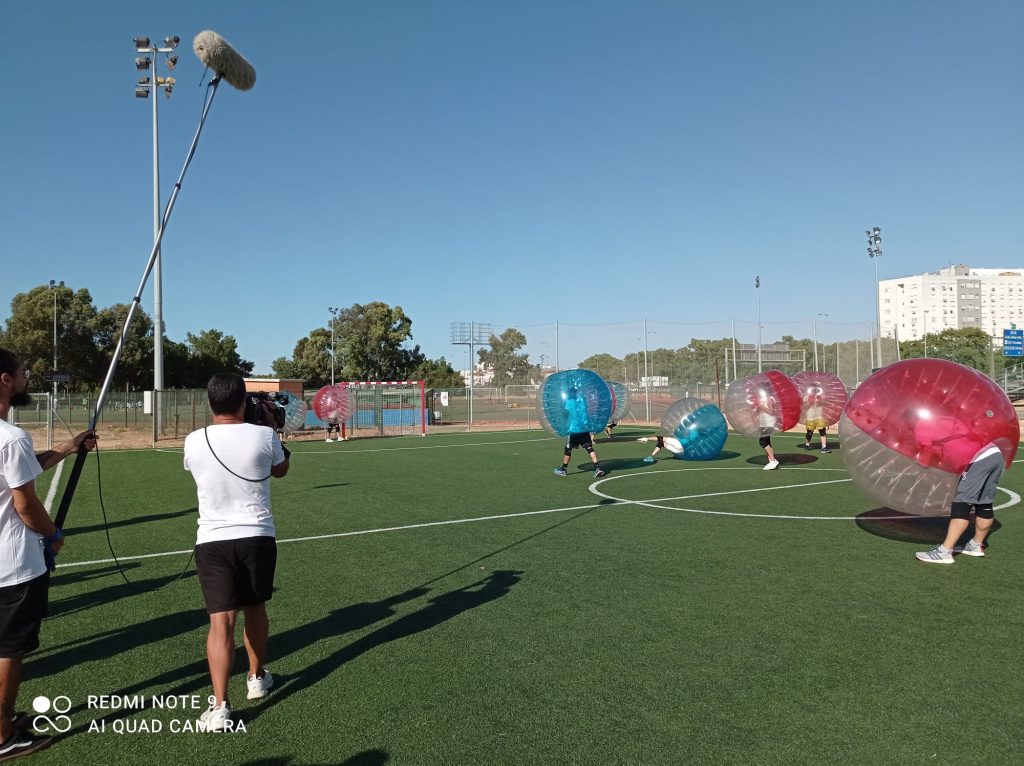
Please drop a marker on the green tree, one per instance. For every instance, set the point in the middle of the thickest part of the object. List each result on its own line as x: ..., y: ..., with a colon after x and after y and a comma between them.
x: 210, y: 352
x: 437, y: 373
x: 369, y: 338
x: 135, y: 366
x: 311, y: 360
x: 504, y: 359
x: 28, y: 332
x: 969, y: 346
x: 609, y: 367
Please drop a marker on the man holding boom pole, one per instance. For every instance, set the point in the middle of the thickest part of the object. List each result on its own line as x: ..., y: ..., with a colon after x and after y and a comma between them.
x: 27, y: 535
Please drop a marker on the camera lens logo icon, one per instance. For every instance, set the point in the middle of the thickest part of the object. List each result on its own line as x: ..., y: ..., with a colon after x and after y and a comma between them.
x: 59, y: 705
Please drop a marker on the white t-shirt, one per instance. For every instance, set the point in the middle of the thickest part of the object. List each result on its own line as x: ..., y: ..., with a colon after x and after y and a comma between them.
x: 21, y: 549
x: 231, y: 507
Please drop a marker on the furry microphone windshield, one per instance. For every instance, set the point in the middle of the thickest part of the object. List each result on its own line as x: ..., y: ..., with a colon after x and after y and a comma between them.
x: 217, y: 54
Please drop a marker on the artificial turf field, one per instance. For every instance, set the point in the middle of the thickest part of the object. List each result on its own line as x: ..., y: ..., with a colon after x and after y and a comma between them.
x: 447, y: 600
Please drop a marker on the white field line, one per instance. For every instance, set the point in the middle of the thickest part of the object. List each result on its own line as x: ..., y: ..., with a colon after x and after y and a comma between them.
x: 357, y: 533
x: 51, y: 493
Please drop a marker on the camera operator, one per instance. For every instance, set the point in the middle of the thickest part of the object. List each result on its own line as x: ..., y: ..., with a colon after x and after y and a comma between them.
x: 236, y: 553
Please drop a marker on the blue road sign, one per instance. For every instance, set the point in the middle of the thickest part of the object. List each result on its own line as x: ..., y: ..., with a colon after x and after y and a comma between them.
x: 1013, y: 342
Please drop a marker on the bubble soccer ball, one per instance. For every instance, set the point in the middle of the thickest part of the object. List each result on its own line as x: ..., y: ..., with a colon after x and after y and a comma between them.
x: 912, y: 428
x: 762, y: 404
x: 822, y: 398
x: 294, y: 413
x: 333, y: 403
x: 620, y: 401
x: 574, y: 401
x: 699, y: 427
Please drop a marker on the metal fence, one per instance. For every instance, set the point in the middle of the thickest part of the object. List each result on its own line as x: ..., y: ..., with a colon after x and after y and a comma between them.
x: 379, y: 412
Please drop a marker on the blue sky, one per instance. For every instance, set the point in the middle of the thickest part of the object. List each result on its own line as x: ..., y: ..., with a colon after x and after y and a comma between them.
x: 518, y: 163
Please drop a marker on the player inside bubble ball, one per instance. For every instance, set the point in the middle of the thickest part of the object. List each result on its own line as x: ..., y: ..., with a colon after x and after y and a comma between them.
x: 579, y: 436
x: 766, y: 421
x: 815, y: 418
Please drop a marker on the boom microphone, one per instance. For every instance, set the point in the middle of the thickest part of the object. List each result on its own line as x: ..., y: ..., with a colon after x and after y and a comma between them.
x: 217, y: 54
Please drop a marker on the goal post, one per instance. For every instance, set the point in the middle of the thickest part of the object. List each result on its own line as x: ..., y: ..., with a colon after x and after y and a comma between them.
x: 386, y: 408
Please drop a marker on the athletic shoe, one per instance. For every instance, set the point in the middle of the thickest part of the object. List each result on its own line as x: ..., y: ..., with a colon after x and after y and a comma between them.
x: 20, y: 719
x: 804, y: 446
x: 598, y: 473
x: 339, y: 439
x: 561, y: 472
x: 649, y: 459
x: 935, y: 556
x: 328, y: 439
x: 771, y: 465
x: 971, y: 549
x: 825, y: 450
x: 258, y: 687
x: 21, y: 743
x: 643, y: 439
x: 216, y: 718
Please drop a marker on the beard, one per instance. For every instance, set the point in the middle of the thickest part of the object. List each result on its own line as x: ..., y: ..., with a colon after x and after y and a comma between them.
x: 21, y: 399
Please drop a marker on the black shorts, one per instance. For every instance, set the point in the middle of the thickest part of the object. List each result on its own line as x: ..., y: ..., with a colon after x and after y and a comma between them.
x: 236, y: 573
x: 22, y: 609
x: 572, y: 441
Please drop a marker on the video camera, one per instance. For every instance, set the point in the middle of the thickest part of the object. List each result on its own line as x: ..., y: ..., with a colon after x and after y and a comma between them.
x: 266, y: 408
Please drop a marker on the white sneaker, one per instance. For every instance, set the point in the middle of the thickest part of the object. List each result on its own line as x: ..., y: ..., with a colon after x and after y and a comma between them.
x: 338, y: 439
x: 771, y: 465
x: 216, y: 718
x: 328, y: 439
x: 971, y: 549
x: 935, y: 556
x: 258, y: 687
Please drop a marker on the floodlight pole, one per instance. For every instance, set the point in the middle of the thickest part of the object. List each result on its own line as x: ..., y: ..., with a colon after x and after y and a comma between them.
x: 557, y: 368
x: 472, y: 371
x: 143, y: 90
x: 647, y: 376
x: 53, y: 403
x: 733, y: 350
x: 757, y: 291
x: 874, y: 253
x: 814, y: 333
x: 334, y: 315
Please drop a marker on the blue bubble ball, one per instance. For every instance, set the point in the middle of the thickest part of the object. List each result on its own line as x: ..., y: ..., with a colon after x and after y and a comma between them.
x: 573, y: 402
x: 699, y: 426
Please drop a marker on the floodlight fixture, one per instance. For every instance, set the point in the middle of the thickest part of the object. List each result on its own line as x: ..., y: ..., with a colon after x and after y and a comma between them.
x: 172, y: 61
x: 143, y: 62
x: 142, y: 92
x: 172, y: 42
x: 141, y: 43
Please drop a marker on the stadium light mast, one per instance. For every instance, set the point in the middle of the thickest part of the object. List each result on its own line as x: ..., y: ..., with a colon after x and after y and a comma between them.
x: 757, y: 291
x: 334, y: 310
x: 647, y: 375
x: 53, y: 287
x: 142, y: 90
x: 874, y: 253
x: 814, y: 330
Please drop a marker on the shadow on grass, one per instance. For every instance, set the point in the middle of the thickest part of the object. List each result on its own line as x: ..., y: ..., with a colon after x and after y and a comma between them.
x: 194, y: 677
x: 62, y: 607
x: 365, y: 758
x: 330, y: 486
x: 130, y: 522
x: 109, y: 644
x: 784, y: 459
x: 439, y: 609
x: 908, y: 528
